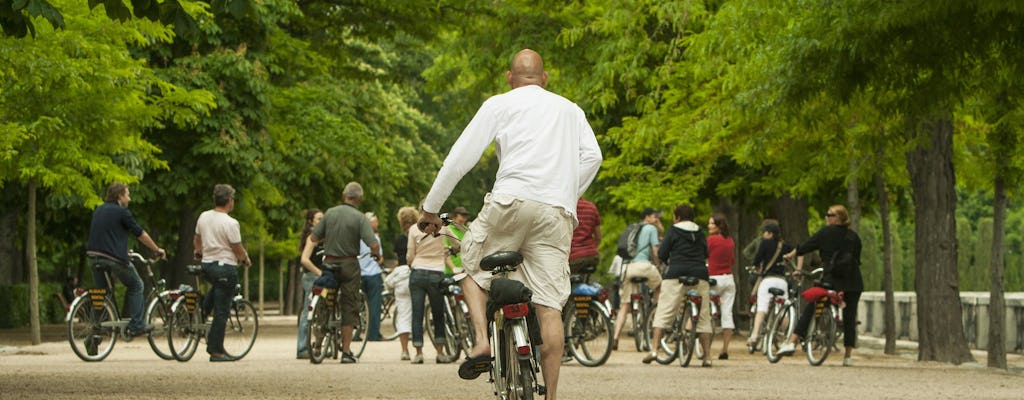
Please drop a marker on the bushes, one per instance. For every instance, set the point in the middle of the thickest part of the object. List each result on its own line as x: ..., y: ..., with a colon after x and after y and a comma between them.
x: 14, y: 302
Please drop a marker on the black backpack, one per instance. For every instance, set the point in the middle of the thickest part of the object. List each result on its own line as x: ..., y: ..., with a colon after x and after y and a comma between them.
x: 628, y: 241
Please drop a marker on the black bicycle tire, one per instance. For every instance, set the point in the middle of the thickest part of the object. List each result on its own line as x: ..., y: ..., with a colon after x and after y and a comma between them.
x: 84, y: 307
x: 688, y: 339
x: 598, y: 319
x: 774, y: 333
x: 668, y: 346
x: 159, y: 331
x: 236, y: 322
x: 821, y: 328
x: 188, y: 337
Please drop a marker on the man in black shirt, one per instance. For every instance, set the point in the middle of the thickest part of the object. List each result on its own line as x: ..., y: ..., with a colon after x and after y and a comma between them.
x: 108, y: 245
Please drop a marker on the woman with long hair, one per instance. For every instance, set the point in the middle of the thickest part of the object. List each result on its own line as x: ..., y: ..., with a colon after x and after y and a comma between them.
x: 311, y: 270
x: 721, y: 257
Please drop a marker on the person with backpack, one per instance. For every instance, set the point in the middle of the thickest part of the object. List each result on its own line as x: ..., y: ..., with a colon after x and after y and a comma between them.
x: 839, y: 248
x: 770, y: 267
x: 638, y: 247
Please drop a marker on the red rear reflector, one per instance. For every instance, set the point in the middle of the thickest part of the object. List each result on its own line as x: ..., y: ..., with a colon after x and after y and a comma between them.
x: 79, y: 292
x: 317, y: 290
x: 523, y: 350
x: 515, y: 310
x: 459, y: 297
x: 716, y: 299
x: 636, y: 296
x: 780, y: 300
x: 695, y: 299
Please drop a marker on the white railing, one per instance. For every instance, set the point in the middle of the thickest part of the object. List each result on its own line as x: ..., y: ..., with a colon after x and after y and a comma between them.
x: 974, y: 311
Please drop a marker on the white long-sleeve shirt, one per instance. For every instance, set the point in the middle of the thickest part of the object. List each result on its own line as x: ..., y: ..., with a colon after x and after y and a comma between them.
x: 547, y: 151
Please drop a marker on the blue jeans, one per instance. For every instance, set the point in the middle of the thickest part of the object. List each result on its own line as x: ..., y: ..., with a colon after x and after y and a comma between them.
x: 133, y: 299
x: 422, y: 284
x: 373, y: 288
x: 307, y: 288
x: 224, y: 277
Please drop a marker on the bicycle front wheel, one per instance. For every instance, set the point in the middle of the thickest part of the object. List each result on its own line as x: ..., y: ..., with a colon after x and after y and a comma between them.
x: 466, y: 337
x: 156, y: 318
x: 183, y: 331
x: 242, y: 327
x: 90, y: 331
x: 820, y: 336
x: 362, y: 325
x: 687, y: 344
x: 590, y: 338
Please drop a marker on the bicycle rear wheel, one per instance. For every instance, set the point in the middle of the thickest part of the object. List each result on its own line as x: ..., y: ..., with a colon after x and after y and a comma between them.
x: 320, y: 340
x: 639, y: 322
x: 183, y: 331
x: 519, y: 378
x: 156, y: 318
x: 668, y: 346
x: 687, y: 344
x: 90, y: 332
x: 779, y: 329
x: 242, y: 327
x: 590, y: 338
x: 820, y: 336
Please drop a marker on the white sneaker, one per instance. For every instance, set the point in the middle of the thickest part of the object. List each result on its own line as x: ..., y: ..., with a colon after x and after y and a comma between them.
x: 847, y: 362
x: 787, y: 349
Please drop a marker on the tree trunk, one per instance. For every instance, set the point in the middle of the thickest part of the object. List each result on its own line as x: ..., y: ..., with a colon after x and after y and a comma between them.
x: 889, y: 314
x: 10, y: 257
x: 261, y: 279
x: 175, y: 274
x: 33, y: 268
x: 939, y: 313
x: 997, y: 304
x: 853, y: 195
x: 792, y: 216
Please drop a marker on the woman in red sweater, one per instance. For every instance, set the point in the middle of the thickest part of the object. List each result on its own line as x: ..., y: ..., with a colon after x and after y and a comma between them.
x: 721, y: 257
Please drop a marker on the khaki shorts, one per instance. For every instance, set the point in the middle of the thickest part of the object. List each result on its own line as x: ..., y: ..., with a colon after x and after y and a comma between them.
x: 540, y: 232
x: 642, y: 269
x: 672, y: 292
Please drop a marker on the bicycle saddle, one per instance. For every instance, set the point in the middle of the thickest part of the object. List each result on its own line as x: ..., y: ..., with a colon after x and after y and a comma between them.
x: 505, y: 259
x: 776, y: 291
x: 688, y: 280
x: 638, y: 279
x: 587, y: 269
x: 712, y: 282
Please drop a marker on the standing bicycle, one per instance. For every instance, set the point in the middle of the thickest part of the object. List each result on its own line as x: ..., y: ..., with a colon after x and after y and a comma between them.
x: 770, y: 269
x: 840, y: 248
x: 188, y: 323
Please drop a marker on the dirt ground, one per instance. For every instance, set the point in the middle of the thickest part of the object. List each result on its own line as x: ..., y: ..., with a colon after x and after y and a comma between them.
x: 270, y: 371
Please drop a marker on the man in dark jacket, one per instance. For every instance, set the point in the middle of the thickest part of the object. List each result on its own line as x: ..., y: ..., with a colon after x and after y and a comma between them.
x: 685, y: 249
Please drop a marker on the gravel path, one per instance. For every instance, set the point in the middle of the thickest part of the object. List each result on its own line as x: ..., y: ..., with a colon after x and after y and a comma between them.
x: 52, y: 371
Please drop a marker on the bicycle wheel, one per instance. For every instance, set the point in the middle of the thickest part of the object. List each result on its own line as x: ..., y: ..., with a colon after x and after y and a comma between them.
x: 687, y: 344
x: 362, y: 324
x: 590, y: 339
x: 242, y: 327
x: 820, y: 335
x: 518, y: 373
x: 466, y: 337
x: 779, y: 329
x: 156, y: 318
x: 639, y: 319
x: 320, y: 341
x: 453, y: 340
x: 183, y: 331
x: 90, y: 332
x: 668, y: 346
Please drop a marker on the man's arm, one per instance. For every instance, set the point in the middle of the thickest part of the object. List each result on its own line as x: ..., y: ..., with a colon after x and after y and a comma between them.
x: 197, y: 247
x: 148, y: 242
x: 465, y: 154
x: 241, y: 254
x: 307, y: 253
x: 590, y: 156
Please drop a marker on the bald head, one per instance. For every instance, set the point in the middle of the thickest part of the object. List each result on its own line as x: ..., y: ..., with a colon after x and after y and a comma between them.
x: 527, y: 68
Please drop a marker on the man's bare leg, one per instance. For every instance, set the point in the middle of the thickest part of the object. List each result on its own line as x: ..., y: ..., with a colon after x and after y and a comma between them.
x: 346, y: 338
x: 476, y: 300
x: 553, y: 334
